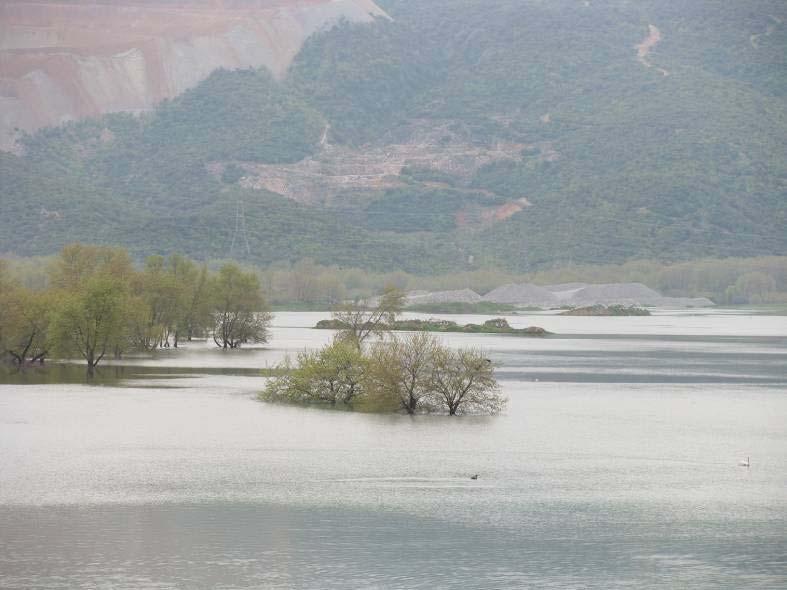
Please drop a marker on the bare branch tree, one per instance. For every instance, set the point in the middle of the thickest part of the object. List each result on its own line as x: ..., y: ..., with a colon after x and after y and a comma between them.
x: 463, y: 381
x: 362, y: 319
x: 402, y: 369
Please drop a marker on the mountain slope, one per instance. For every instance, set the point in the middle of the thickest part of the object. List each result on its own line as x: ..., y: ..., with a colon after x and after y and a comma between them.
x: 459, y: 134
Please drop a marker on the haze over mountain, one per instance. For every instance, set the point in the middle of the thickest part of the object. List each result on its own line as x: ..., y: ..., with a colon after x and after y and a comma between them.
x: 452, y: 135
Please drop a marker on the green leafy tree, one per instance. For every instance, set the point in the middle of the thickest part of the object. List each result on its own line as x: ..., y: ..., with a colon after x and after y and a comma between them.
x: 238, y: 308
x: 158, y: 298
x: 752, y: 287
x: 193, y: 313
x: 24, y: 324
x: 412, y: 374
x: 335, y: 374
x: 76, y: 263
x: 91, y: 321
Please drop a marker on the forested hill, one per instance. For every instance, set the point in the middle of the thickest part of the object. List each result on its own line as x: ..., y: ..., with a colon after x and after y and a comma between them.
x: 457, y: 134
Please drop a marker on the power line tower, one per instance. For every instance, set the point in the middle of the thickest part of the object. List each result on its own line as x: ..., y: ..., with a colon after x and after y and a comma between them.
x: 240, y: 230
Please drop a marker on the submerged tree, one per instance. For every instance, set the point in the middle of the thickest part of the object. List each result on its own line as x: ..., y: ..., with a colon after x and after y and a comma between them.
x: 239, y: 311
x: 412, y: 374
x: 463, y: 381
x: 335, y: 374
x: 157, y: 298
x: 193, y: 312
x: 361, y: 319
x: 92, y: 320
x: 402, y: 370
x: 24, y: 324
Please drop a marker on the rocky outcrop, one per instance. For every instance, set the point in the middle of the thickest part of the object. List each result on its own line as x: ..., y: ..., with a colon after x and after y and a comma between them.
x: 61, y: 61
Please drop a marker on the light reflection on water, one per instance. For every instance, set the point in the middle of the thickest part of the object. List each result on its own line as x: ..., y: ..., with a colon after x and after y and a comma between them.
x: 180, y: 479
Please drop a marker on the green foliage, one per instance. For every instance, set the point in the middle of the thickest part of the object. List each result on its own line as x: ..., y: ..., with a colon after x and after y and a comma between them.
x: 77, y: 263
x: 159, y: 298
x: 96, y: 303
x: 414, y: 374
x: 415, y: 209
x: 333, y: 375
x: 619, y: 161
x: 24, y: 323
x: 247, y: 111
x: 238, y: 309
x: 232, y: 174
x: 90, y: 321
x: 752, y: 287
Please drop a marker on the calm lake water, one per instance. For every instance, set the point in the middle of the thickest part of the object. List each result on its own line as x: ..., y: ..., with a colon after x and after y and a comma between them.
x: 614, y: 466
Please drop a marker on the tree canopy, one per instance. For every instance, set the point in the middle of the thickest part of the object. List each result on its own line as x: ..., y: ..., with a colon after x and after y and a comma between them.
x: 97, y: 303
x: 415, y: 374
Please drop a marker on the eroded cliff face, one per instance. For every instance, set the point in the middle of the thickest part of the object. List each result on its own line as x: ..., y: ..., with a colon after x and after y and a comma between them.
x: 61, y: 61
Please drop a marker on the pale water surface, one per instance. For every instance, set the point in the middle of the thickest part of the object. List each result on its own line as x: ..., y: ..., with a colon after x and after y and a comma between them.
x: 615, y: 466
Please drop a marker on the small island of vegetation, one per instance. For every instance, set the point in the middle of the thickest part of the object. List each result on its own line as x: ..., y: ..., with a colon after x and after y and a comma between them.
x: 607, y: 310
x: 413, y: 373
x: 494, y: 326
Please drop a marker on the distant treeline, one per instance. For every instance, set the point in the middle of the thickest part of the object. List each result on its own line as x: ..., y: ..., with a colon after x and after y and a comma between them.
x: 728, y: 281
x: 725, y: 281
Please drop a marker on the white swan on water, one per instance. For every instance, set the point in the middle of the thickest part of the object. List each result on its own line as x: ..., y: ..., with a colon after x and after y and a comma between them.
x: 745, y: 463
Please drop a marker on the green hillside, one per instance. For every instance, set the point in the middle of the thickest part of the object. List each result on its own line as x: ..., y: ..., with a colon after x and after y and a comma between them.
x: 677, y: 155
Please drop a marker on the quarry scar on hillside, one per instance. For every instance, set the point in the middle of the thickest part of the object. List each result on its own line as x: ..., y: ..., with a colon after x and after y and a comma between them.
x: 60, y: 61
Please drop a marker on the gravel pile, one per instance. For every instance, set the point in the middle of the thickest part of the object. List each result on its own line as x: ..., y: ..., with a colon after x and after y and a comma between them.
x: 563, y: 295
x: 524, y: 294
x: 460, y: 296
x: 582, y: 295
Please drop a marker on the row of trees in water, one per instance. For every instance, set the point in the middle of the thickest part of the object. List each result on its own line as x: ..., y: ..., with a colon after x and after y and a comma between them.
x: 413, y: 373
x: 98, y: 305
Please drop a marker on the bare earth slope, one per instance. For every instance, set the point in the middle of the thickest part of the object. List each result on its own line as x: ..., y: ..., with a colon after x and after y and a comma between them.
x: 60, y: 61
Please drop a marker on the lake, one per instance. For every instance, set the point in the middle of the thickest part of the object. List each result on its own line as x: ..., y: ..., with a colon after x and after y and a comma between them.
x: 615, y: 465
